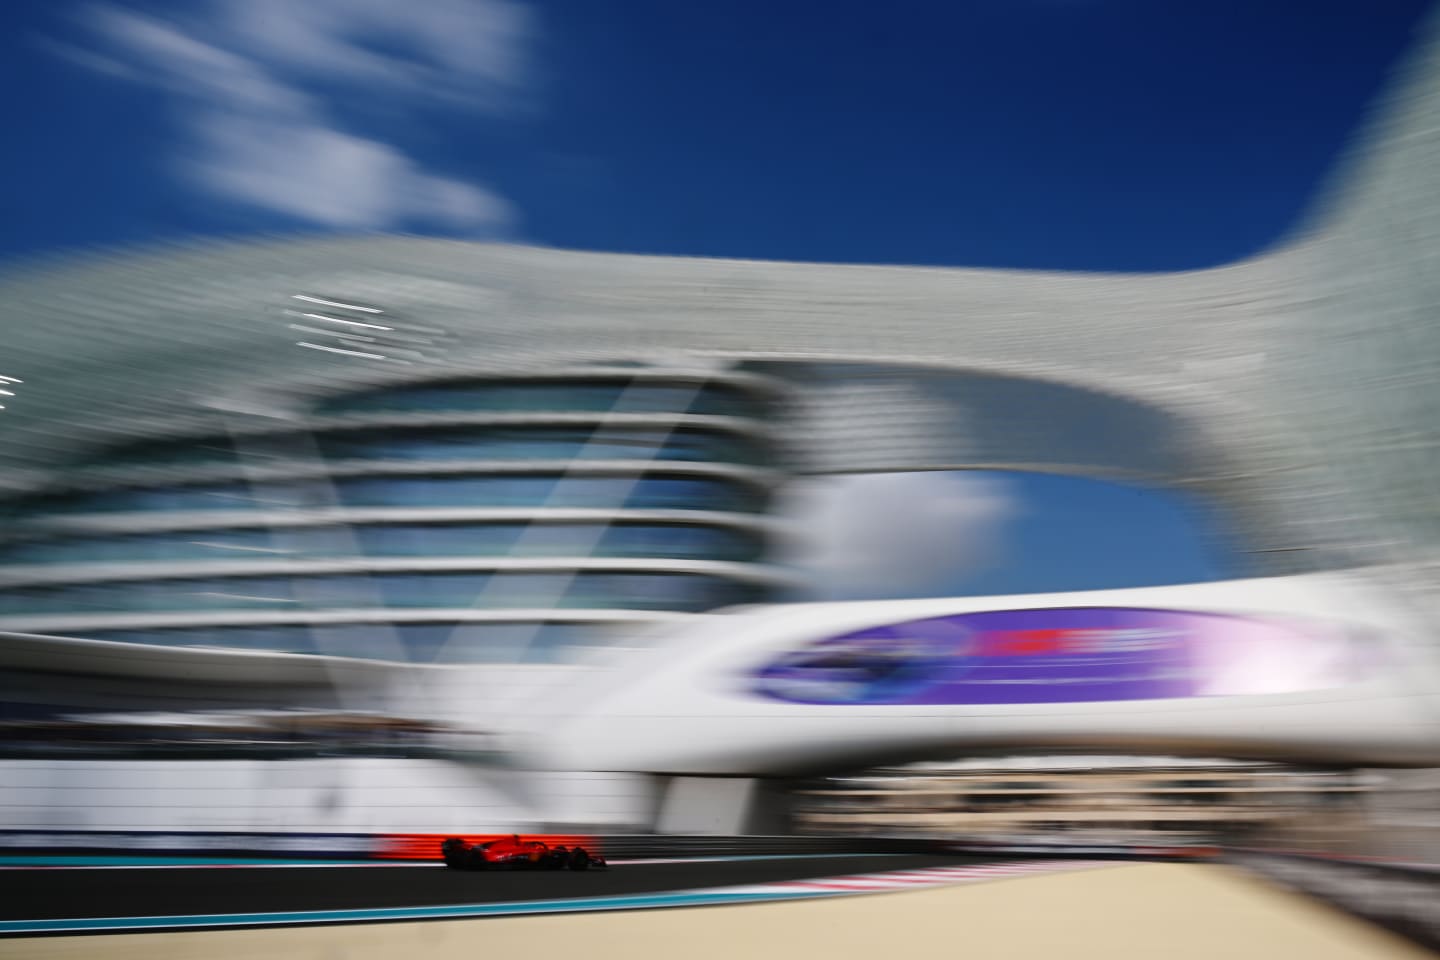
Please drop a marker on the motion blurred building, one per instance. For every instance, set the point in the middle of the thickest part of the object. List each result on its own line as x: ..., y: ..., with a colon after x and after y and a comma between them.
x: 325, y: 472
x: 445, y: 519
x: 1085, y: 800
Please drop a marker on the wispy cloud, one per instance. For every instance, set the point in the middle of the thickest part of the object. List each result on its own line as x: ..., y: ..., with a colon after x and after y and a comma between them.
x: 88, y: 59
x: 453, y: 49
x: 255, y: 83
x: 873, y: 536
x: 325, y: 176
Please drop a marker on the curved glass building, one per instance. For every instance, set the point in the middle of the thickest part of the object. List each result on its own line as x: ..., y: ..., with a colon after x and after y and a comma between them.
x: 445, y: 519
x: 397, y: 451
x: 413, y: 449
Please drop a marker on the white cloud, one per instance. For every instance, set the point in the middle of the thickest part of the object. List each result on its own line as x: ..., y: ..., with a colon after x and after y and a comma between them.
x: 251, y: 85
x: 326, y: 176
x: 89, y: 59
x: 879, y: 535
x: 441, y: 48
x: 192, y: 68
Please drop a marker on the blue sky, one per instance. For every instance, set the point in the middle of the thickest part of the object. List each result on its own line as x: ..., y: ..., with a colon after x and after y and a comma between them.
x: 1075, y: 134
x: 1128, y: 135
x: 979, y: 533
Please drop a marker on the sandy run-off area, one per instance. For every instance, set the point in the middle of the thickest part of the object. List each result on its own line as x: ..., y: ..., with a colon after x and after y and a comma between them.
x: 1169, y: 911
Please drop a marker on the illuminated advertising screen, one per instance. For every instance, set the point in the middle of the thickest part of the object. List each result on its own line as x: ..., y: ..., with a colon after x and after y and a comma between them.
x: 1065, y: 655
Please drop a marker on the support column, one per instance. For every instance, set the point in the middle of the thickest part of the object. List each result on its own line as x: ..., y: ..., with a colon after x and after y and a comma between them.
x: 721, y: 806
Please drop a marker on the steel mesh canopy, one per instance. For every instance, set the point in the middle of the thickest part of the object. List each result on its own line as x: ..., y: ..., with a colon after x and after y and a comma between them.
x: 1297, y: 387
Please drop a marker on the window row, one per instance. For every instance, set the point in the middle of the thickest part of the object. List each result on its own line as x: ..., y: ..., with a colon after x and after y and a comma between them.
x: 504, y: 490
x: 558, y: 442
x: 541, y: 443
x: 399, y: 540
x: 406, y: 642
x: 503, y: 590
x: 621, y: 397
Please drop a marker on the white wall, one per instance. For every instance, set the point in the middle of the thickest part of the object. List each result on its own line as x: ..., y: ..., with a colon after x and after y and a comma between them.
x: 324, y: 795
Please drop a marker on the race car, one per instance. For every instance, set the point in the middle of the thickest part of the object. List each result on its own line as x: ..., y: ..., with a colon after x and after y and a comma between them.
x: 513, y: 853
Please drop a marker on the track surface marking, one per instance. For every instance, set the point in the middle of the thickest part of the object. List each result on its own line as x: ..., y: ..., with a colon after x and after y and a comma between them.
x: 194, y: 891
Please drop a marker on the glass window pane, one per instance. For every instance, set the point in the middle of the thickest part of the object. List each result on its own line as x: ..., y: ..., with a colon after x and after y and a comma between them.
x: 529, y: 490
x: 159, y: 499
x: 560, y: 590
x: 540, y: 443
x: 714, y: 399
x: 207, y: 450
x: 227, y: 544
x: 396, y: 540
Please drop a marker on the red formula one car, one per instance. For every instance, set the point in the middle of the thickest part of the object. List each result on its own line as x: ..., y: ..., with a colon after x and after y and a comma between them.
x: 512, y: 853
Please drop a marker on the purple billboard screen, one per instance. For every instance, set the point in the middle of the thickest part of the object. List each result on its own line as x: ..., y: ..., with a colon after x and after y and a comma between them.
x: 1064, y: 655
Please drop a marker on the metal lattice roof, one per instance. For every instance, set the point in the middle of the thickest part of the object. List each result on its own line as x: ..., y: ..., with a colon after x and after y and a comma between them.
x: 1297, y: 385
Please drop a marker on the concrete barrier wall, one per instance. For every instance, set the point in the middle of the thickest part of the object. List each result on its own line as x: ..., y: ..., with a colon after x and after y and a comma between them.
x: 1405, y: 899
x: 420, y: 846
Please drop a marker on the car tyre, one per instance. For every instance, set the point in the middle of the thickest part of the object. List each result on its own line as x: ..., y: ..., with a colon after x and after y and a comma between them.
x: 453, y: 853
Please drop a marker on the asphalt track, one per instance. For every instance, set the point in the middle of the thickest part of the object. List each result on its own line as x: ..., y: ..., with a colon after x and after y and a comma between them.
x: 41, y: 894
x: 1118, y: 912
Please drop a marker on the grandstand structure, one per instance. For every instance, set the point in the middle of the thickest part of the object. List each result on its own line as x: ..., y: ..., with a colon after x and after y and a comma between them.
x: 292, y: 459
x: 1160, y: 800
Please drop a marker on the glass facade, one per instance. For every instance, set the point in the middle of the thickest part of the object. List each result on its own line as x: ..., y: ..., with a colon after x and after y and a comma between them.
x: 558, y: 395
x: 538, y: 490
x: 683, y: 592
x: 648, y: 492
x: 200, y: 497
x: 369, y: 481
x: 541, y: 443
x: 219, y: 544
x: 680, y: 541
x: 207, y: 450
